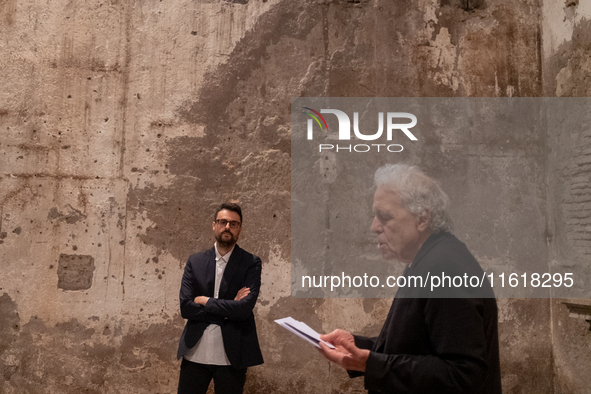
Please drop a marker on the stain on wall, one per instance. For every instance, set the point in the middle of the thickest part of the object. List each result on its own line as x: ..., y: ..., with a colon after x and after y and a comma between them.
x: 525, y: 321
x: 567, y: 70
x: 84, y: 356
x: 571, y: 349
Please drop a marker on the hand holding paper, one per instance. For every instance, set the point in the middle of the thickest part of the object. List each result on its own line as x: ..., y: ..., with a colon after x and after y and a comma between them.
x: 345, y: 353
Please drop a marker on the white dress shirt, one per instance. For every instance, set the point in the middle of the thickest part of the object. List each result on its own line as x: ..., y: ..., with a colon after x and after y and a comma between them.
x: 210, y: 348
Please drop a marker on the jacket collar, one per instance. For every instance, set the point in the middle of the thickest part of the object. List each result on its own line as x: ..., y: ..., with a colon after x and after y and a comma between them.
x: 231, y: 267
x: 433, y: 240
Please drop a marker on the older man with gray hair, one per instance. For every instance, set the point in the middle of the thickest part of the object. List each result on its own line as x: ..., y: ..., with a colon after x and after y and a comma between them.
x: 442, y: 341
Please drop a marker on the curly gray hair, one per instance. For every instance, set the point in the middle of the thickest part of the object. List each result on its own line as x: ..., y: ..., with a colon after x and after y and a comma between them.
x: 419, y: 193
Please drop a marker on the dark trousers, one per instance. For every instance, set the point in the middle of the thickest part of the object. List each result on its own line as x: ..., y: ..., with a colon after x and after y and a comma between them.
x: 195, y: 378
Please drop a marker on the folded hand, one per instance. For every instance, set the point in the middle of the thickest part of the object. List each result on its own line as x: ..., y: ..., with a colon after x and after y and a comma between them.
x: 242, y: 293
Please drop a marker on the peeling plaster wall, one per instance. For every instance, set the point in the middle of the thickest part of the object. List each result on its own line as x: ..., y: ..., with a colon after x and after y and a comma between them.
x: 567, y: 73
x: 570, y: 247
x: 123, y: 124
x: 567, y: 43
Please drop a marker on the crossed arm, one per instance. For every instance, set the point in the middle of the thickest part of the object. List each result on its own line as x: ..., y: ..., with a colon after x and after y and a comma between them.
x: 202, y: 300
x: 214, y: 310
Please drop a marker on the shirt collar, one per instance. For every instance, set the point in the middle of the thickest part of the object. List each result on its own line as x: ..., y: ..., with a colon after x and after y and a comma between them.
x: 225, y: 258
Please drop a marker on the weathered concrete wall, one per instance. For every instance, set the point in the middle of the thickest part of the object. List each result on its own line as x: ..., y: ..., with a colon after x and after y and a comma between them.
x: 566, y: 45
x: 123, y: 124
x: 567, y: 73
x: 570, y: 247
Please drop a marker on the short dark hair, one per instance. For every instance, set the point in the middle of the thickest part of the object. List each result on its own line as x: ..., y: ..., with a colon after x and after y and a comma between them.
x: 230, y: 206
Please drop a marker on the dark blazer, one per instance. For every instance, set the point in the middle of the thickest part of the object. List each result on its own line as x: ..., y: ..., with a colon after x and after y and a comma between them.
x: 437, y: 345
x: 235, y: 317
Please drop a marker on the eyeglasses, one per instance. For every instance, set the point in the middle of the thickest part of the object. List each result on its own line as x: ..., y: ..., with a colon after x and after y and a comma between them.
x: 224, y: 223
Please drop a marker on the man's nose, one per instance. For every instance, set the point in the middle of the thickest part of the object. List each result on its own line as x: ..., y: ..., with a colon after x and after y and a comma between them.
x: 376, y: 226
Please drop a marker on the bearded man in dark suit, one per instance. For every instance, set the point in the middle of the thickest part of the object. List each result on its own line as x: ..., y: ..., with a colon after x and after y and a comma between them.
x: 218, y: 292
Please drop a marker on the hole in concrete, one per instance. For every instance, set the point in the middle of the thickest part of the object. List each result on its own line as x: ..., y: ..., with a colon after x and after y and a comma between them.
x: 75, y: 272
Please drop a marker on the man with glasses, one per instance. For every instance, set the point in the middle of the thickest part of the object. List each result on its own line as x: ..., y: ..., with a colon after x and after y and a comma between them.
x: 218, y: 292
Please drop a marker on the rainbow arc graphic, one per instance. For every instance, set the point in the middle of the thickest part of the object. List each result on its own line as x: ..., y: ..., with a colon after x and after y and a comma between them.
x: 316, y: 115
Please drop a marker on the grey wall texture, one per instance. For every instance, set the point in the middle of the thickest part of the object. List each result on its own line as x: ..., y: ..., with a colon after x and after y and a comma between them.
x: 124, y: 123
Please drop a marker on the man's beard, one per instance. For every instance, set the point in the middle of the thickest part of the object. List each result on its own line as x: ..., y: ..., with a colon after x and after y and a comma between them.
x: 225, y: 242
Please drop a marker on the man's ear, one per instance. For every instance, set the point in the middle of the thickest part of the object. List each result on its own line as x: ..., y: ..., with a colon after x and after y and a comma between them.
x: 213, y: 226
x: 423, y: 221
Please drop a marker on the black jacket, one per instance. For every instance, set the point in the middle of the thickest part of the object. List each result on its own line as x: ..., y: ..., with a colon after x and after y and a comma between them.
x: 235, y: 317
x: 437, y: 345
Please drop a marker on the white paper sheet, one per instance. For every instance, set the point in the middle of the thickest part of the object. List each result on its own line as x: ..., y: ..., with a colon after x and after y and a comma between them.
x: 302, y: 330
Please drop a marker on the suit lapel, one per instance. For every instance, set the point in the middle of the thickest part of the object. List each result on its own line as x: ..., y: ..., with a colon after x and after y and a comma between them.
x: 230, y: 270
x: 210, y: 272
x: 388, y: 325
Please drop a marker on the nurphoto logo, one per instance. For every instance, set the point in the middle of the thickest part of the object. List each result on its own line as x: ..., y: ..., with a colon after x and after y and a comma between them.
x: 392, y: 125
